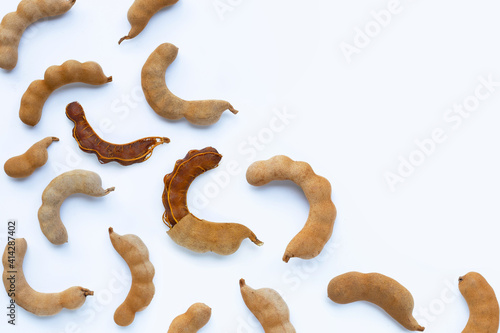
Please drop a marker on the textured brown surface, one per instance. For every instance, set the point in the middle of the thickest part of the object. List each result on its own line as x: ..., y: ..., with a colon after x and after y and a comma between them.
x: 268, y: 307
x: 310, y: 241
x: 40, y: 304
x: 178, y: 181
x: 125, y: 154
x: 135, y: 253
x: 141, y: 12
x: 14, y: 24
x: 36, y: 156
x: 482, y: 302
x: 168, y: 105
x: 55, y: 77
x: 378, y: 289
x: 192, y: 320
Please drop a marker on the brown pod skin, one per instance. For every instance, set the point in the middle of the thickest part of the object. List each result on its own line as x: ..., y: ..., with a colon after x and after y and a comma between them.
x: 141, y: 12
x: 14, y: 24
x: 482, y: 302
x: 192, y: 320
x: 311, y: 240
x: 378, y: 289
x: 186, y: 229
x: 40, y: 304
x: 88, y: 141
x: 35, y: 157
x: 165, y: 103
x: 55, y: 77
x: 268, y: 307
x: 135, y: 253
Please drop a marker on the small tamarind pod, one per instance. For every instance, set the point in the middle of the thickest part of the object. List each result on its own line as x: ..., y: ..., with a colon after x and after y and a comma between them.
x: 61, y: 187
x: 268, y: 307
x: 310, y: 241
x: 35, y: 157
x: 378, y: 289
x: 482, y: 302
x: 192, y: 320
x: 186, y: 229
x: 141, y: 12
x: 88, y: 141
x: 55, y: 77
x: 40, y: 304
x: 165, y: 103
x: 14, y: 24
x: 135, y: 253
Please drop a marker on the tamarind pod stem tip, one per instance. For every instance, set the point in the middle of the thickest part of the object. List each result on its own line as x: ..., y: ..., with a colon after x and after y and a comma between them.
x: 232, y: 109
x: 107, y: 191
x: 242, y: 283
x: 254, y: 239
x: 165, y: 140
x: 122, y: 39
x: 286, y: 258
x: 110, y: 230
x: 88, y: 293
x: 110, y: 79
x: 55, y: 139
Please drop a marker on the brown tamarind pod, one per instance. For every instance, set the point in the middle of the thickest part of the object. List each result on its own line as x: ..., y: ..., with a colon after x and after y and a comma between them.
x: 134, y: 152
x: 186, y: 229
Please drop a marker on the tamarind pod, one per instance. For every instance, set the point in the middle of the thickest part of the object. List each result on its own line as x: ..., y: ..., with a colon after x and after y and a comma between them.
x: 61, y: 187
x: 141, y: 12
x: 203, y: 236
x: 134, y: 152
x: 165, y: 103
x: 135, y: 253
x: 378, y: 289
x: 178, y: 181
x: 35, y: 157
x: 40, y: 304
x: 192, y: 320
x: 310, y: 241
x: 482, y: 302
x: 14, y: 24
x: 55, y: 77
x: 268, y: 307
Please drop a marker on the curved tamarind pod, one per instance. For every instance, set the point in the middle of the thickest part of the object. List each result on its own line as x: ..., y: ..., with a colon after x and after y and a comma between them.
x: 61, y: 187
x: 40, y: 304
x: 35, y: 157
x: 186, y: 229
x: 55, y: 77
x: 141, y: 12
x: 310, y: 241
x: 88, y: 141
x: 192, y: 320
x: 14, y: 24
x: 482, y: 302
x: 165, y: 103
x: 268, y: 307
x: 378, y: 289
x: 135, y: 253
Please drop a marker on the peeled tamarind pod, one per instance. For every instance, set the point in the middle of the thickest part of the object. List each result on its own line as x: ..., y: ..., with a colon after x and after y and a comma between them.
x: 186, y: 229
x: 378, y: 289
x: 192, y: 320
x: 14, y: 24
x: 141, y: 12
x: 35, y: 157
x: 482, y: 302
x: 55, y: 77
x: 310, y: 241
x: 269, y: 308
x: 135, y: 253
x: 40, y: 304
x: 165, y: 103
x: 88, y: 141
x: 61, y: 187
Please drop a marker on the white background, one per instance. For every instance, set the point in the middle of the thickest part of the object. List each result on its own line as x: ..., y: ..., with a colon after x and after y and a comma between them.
x: 352, y: 122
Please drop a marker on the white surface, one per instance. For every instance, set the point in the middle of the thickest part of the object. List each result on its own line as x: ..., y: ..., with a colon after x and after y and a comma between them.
x: 352, y: 122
